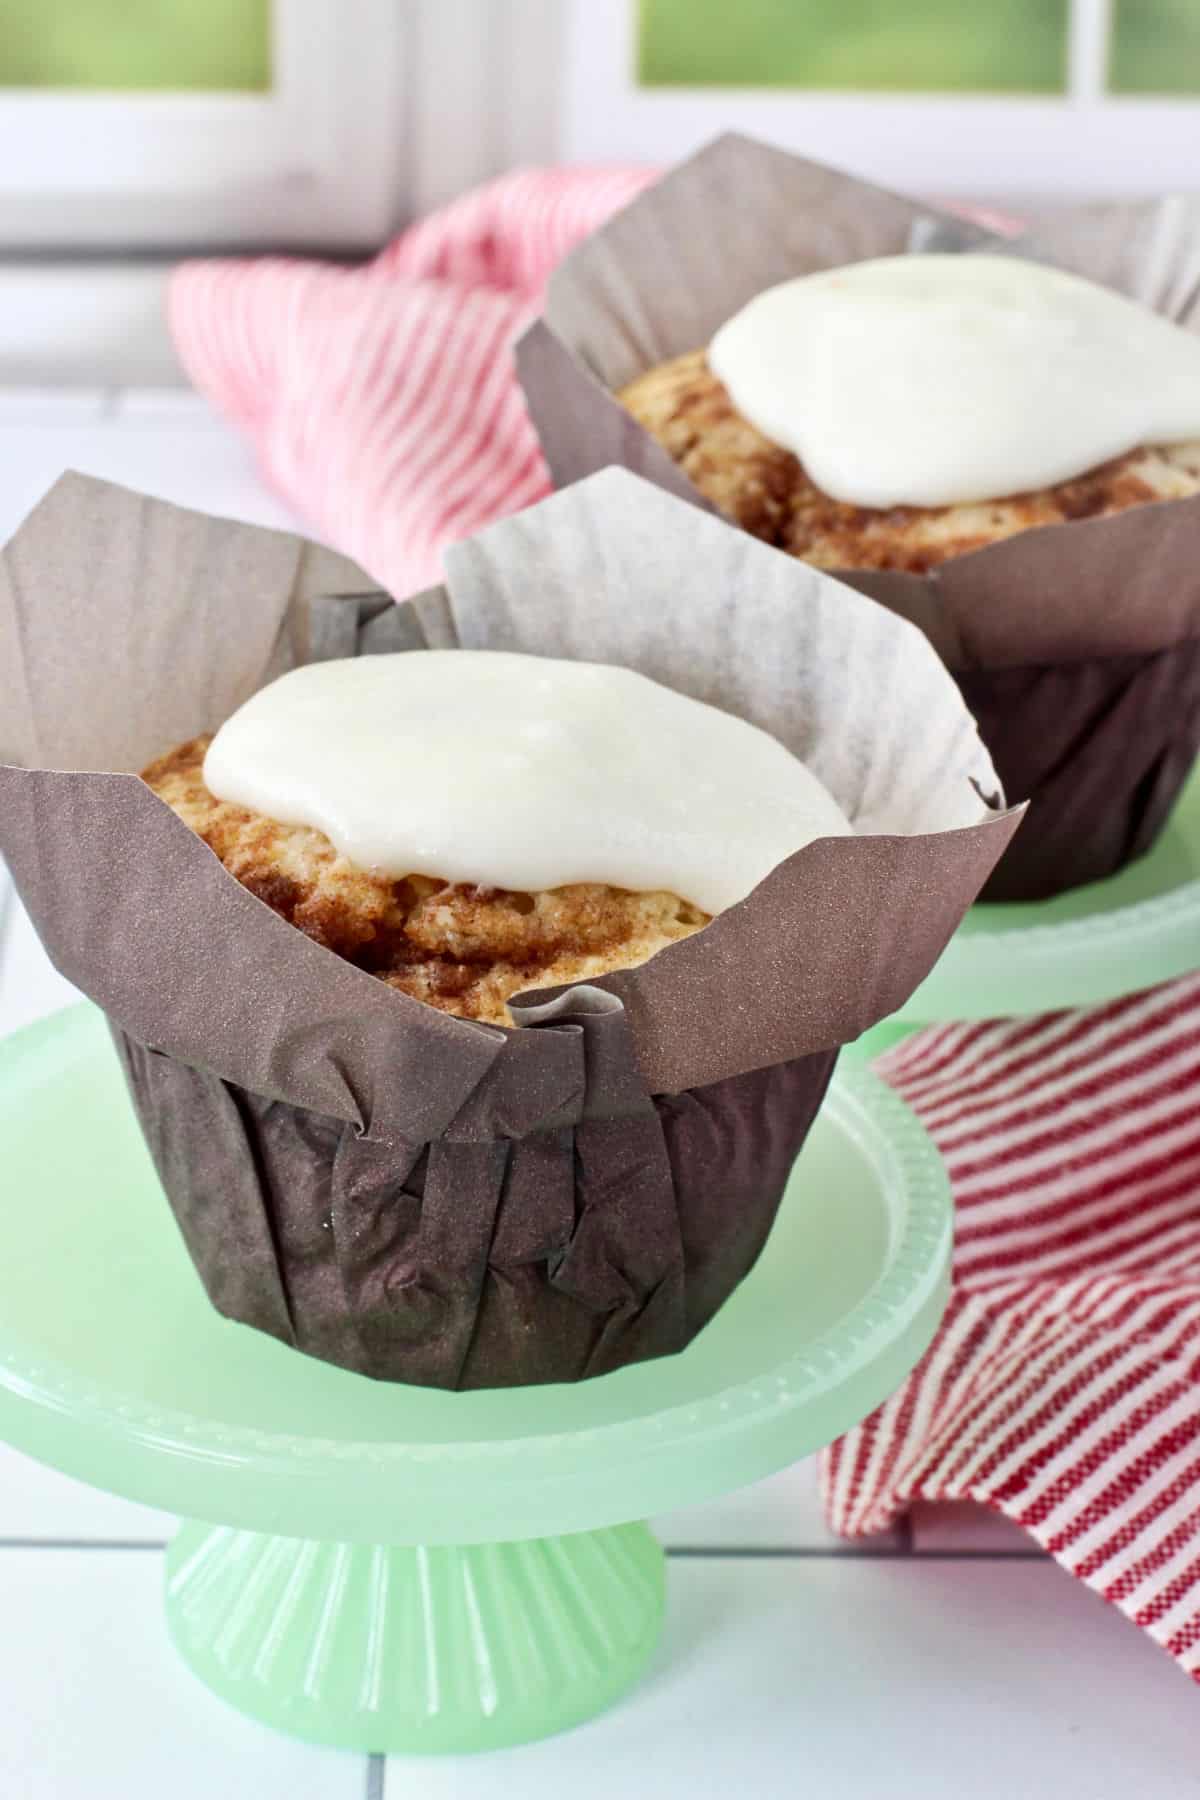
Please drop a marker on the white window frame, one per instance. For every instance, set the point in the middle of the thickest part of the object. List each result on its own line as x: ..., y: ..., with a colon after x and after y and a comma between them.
x: 319, y: 159
x: 1084, y: 144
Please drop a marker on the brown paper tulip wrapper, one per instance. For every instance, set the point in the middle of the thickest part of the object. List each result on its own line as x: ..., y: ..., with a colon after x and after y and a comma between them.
x: 1076, y: 646
x: 414, y: 1196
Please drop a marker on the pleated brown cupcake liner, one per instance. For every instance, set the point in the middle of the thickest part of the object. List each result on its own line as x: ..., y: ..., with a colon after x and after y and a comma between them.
x: 428, y: 1199
x: 1039, y: 630
x: 606, y: 1234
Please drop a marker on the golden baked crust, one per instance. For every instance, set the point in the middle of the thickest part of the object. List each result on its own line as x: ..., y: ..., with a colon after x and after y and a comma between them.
x: 462, y: 949
x: 764, y: 488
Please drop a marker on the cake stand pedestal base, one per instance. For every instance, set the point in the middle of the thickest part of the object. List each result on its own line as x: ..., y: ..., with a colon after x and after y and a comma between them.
x: 412, y: 1647
x: 400, y: 1568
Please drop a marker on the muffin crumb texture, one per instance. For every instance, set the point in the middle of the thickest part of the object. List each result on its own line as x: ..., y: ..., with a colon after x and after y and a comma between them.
x: 763, y: 487
x: 462, y: 949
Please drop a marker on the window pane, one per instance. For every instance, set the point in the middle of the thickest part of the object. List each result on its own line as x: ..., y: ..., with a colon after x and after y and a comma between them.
x: 1155, y: 47
x: 127, y: 44
x: 924, y: 46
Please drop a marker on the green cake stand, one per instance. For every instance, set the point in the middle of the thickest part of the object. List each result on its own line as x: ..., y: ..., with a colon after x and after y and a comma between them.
x: 391, y: 1568
x: 1096, y: 943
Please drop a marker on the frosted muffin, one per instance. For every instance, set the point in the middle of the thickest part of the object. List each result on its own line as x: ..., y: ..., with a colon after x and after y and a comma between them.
x: 765, y: 489
x: 444, y: 1200
x: 897, y: 413
x: 460, y: 947
x: 352, y: 797
x: 1059, y: 592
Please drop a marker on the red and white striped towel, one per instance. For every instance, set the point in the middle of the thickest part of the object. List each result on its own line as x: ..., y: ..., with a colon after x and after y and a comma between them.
x: 1062, y: 1389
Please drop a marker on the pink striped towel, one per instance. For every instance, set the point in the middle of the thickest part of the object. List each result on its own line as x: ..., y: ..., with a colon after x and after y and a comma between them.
x: 1062, y: 1389
x: 382, y: 400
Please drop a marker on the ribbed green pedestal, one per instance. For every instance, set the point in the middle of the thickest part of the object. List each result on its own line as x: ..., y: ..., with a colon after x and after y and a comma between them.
x: 395, y: 1568
x: 416, y: 1648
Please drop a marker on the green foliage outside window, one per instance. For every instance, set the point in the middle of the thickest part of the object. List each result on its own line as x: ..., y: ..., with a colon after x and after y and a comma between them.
x: 1006, y: 46
x: 135, y: 44
x: 1155, y: 48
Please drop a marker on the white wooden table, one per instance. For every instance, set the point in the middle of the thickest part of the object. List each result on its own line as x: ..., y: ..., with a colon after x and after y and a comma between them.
x: 948, y: 1661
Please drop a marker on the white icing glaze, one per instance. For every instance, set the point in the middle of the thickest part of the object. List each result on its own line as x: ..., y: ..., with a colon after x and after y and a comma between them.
x: 927, y: 380
x: 521, y: 772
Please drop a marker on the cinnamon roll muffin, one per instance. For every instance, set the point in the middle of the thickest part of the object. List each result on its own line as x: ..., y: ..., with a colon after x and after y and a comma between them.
x: 765, y: 489
x: 462, y: 948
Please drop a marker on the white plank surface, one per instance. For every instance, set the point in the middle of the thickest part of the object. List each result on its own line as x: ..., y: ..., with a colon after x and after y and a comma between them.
x: 94, y: 1705
x: 851, y: 1680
